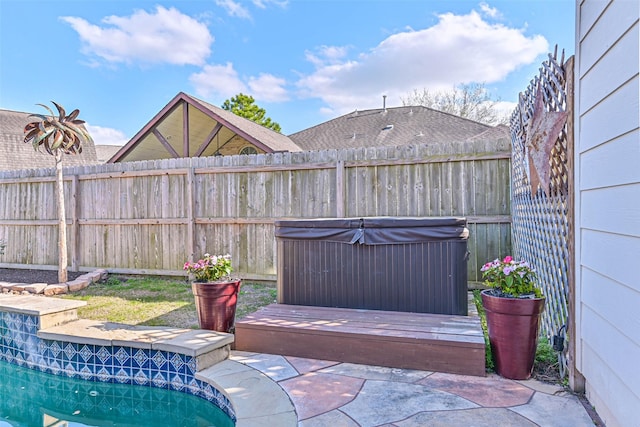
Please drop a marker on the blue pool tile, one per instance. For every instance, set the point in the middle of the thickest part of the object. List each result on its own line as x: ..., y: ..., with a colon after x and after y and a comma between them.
x: 177, y: 363
x: 7, y: 354
x: 55, y: 368
x: 69, y: 352
x: 122, y: 358
x: 55, y: 348
x: 177, y: 382
x: 18, y: 358
x: 86, y: 372
x: 43, y: 348
x: 160, y: 360
x: 70, y: 370
x: 86, y: 354
x: 11, y: 321
x: 140, y: 358
x: 123, y: 376
x: 31, y: 325
x: 104, y: 375
x: 159, y: 380
x: 190, y: 366
x: 141, y: 377
x: 103, y: 356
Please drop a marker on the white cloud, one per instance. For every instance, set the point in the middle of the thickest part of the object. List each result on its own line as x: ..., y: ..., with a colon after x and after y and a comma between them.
x: 106, y: 136
x: 237, y: 10
x: 234, y: 8
x: 223, y: 81
x: 262, y: 4
x: 166, y: 36
x: 269, y: 88
x: 218, y: 81
x: 490, y: 11
x: 505, y: 108
x: 458, y: 49
x: 326, y: 55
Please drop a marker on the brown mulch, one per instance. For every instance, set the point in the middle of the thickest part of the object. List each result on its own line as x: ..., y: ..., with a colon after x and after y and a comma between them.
x: 15, y: 275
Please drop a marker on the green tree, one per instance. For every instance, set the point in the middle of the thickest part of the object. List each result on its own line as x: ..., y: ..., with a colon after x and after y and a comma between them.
x: 471, y: 101
x: 58, y: 135
x: 244, y: 106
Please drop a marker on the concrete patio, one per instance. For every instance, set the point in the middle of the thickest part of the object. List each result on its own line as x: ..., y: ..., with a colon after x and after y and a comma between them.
x: 326, y: 393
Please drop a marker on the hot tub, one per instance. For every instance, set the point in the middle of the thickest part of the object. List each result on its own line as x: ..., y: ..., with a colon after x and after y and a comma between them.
x: 404, y: 264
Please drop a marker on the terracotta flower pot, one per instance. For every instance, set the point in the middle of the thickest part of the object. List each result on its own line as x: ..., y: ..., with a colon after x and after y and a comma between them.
x: 513, y: 325
x: 216, y: 304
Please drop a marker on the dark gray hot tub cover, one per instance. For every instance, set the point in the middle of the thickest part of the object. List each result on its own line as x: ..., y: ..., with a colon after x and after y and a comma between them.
x: 374, y: 230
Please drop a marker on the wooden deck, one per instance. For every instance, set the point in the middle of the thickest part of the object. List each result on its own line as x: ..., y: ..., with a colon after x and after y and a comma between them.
x: 431, y: 342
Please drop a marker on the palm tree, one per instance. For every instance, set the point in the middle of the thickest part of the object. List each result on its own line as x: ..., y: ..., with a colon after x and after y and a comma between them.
x: 58, y: 135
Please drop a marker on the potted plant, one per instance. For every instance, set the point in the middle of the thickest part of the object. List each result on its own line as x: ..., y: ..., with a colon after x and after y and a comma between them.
x: 215, y: 291
x: 513, y: 304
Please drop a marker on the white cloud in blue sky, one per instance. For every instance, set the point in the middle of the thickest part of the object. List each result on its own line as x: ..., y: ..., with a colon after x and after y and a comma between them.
x: 165, y: 36
x: 221, y: 80
x: 233, y: 8
x: 106, y: 136
x: 458, y: 49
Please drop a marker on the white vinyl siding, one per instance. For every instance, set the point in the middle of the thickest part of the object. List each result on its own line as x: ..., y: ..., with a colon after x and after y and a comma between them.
x: 608, y: 207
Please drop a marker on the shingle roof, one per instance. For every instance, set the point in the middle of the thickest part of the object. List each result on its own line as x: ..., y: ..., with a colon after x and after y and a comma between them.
x: 105, y: 152
x: 497, y: 132
x: 15, y: 154
x: 389, y: 126
x: 274, y: 140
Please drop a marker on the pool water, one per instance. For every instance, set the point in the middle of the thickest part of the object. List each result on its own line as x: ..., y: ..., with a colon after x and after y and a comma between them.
x: 32, y: 398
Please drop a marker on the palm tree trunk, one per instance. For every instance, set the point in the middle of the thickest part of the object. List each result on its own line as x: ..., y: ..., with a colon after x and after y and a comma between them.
x: 62, y: 223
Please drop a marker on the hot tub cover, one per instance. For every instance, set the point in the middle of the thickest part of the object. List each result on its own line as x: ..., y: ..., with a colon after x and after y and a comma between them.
x: 374, y: 230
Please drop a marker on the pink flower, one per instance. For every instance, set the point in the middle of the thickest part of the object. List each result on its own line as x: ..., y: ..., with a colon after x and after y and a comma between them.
x: 507, y: 259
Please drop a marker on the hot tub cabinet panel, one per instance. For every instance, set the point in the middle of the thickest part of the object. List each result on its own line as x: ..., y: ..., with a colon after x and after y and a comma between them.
x: 377, y: 263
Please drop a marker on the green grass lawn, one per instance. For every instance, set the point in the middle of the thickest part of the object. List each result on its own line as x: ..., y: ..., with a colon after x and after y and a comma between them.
x: 157, y: 301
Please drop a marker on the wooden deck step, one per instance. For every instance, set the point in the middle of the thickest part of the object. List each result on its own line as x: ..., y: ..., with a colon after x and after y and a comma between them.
x: 431, y: 342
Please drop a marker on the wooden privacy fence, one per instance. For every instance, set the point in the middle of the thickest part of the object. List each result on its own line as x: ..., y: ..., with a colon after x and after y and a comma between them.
x: 150, y: 217
x: 542, y: 221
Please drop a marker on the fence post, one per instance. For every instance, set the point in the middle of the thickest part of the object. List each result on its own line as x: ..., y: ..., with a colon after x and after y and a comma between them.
x: 75, y: 225
x: 340, y: 190
x: 191, y: 221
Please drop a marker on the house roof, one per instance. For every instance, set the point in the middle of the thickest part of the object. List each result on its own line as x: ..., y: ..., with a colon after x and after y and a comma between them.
x: 169, y: 135
x: 497, y: 132
x: 105, y: 152
x: 389, y: 126
x: 16, y: 154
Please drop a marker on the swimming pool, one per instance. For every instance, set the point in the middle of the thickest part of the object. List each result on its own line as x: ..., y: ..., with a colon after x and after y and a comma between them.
x: 89, y: 362
x: 31, y: 398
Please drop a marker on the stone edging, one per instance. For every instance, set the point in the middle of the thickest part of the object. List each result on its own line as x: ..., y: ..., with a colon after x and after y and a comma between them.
x: 54, y: 289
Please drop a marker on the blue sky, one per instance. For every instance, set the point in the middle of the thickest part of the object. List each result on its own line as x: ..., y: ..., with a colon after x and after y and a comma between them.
x: 304, y: 61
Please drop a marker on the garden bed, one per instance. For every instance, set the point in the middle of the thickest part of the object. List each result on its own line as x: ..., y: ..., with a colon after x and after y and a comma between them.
x: 18, y: 275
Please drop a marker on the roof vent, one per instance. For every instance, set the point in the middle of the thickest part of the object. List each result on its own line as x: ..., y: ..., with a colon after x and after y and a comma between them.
x: 387, y: 127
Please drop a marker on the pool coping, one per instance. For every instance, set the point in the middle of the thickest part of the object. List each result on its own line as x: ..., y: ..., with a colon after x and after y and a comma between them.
x: 256, y: 399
